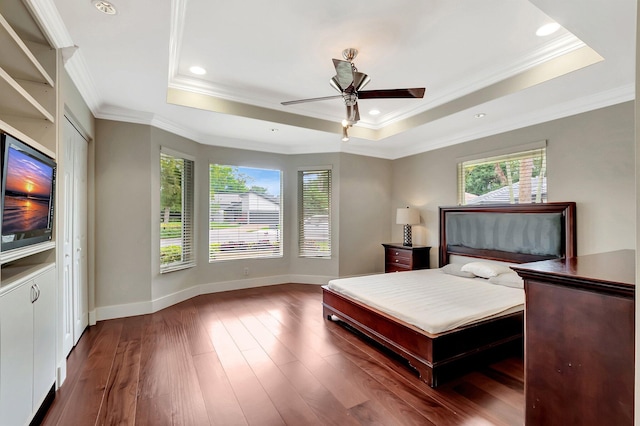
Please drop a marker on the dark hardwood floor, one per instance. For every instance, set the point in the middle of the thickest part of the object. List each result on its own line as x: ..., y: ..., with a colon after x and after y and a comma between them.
x: 263, y: 356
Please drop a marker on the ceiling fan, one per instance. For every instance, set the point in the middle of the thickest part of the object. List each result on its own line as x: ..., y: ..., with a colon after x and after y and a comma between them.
x: 349, y: 82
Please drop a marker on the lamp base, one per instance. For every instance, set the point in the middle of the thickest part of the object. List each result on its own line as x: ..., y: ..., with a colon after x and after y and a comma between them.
x: 407, y: 236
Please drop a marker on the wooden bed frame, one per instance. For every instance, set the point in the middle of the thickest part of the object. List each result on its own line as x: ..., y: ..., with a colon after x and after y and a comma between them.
x: 440, y: 357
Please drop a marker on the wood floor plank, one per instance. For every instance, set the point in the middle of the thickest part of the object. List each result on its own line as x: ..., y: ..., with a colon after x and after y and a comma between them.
x: 75, y: 364
x: 397, y: 376
x: 154, y: 381
x: 497, y: 389
x: 264, y: 356
x: 288, y: 402
x: 409, y: 390
x: 501, y: 411
x: 276, y: 350
x: 253, y: 399
x: 199, y: 341
x: 154, y: 411
x: 222, y: 405
x: 88, y: 393
x: 119, y: 403
x: 323, y: 403
x: 186, y: 396
x: 396, y: 410
x: 303, y: 349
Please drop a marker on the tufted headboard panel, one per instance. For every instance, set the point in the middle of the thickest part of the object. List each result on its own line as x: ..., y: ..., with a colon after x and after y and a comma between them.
x: 513, y: 233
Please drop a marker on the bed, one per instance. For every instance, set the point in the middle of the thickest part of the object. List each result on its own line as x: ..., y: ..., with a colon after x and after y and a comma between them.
x: 500, y: 234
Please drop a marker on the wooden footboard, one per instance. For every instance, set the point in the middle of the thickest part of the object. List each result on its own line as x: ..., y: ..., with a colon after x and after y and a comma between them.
x: 435, y: 357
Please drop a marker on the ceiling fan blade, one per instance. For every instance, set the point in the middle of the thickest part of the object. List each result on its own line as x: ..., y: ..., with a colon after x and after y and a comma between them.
x: 299, y: 101
x: 417, y: 92
x: 344, y: 72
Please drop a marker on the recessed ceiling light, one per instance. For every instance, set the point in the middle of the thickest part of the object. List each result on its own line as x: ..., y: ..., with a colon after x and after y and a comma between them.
x: 480, y: 115
x: 198, y: 70
x: 548, y: 29
x: 105, y: 7
x: 374, y: 112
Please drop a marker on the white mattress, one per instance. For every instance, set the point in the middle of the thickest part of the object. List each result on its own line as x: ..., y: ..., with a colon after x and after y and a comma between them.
x: 430, y: 299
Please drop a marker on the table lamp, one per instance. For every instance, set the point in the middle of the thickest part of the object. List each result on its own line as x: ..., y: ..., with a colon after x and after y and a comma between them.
x: 407, y: 217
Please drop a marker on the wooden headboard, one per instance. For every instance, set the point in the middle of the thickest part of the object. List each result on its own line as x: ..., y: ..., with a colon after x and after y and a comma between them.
x: 515, y: 233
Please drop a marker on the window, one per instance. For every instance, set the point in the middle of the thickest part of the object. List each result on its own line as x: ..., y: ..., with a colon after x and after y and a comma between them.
x: 245, y: 213
x: 176, y: 209
x: 314, y: 213
x: 506, y: 179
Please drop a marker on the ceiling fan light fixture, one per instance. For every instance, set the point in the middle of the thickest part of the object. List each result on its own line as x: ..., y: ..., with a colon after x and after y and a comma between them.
x: 345, y: 135
x: 360, y: 80
x: 335, y: 84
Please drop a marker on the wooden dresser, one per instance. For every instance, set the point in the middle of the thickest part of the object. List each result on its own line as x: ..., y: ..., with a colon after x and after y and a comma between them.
x: 398, y: 258
x: 579, y: 340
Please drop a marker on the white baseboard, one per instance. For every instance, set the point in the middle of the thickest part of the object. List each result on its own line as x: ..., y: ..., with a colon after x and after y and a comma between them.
x: 121, y: 311
x: 140, y: 308
x: 61, y: 373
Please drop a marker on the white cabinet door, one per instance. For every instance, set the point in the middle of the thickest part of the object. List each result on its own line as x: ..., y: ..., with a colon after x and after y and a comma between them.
x: 44, y: 336
x: 16, y: 355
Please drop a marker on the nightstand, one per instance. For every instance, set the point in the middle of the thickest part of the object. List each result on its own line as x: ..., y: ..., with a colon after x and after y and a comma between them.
x: 398, y: 258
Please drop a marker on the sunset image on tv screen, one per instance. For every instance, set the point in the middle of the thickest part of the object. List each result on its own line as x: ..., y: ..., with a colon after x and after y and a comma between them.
x: 27, y: 193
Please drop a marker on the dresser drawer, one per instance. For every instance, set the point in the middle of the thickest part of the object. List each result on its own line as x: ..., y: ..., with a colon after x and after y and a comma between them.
x: 396, y: 267
x: 398, y: 256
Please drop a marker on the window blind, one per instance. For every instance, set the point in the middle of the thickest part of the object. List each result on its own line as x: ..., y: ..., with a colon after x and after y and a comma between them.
x: 514, y: 178
x: 176, y: 210
x: 314, y: 213
x: 245, y: 217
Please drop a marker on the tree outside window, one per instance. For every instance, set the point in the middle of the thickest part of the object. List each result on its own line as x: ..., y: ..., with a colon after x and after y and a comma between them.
x: 507, y: 179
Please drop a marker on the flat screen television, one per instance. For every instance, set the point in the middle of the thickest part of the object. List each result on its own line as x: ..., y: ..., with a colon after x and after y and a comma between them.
x: 27, y: 196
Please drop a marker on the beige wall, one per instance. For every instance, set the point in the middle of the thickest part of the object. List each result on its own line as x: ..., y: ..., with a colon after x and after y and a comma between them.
x: 128, y: 219
x: 123, y: 213
x: 590, y: 160
x: 365, y: 194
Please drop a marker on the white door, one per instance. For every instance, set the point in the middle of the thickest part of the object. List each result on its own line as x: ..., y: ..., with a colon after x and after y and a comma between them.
x: 80, y: 280
x: 74, y: 238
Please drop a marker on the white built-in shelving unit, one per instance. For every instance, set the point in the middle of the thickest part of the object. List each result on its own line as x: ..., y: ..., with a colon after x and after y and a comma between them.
x: 28, y: 278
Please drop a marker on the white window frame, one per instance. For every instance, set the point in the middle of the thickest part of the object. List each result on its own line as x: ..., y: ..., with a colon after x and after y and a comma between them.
x: 527, y: 151
x: 187, y: 233
x: 321, y: 229
x: 263, y: 243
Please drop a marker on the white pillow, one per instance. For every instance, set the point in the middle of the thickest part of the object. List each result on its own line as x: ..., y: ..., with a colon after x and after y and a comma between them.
x: 454, y: 269
x: 510, y: 279
x: 485, y: 269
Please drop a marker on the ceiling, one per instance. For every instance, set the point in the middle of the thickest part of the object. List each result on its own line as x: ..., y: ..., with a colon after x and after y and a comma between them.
x: 472, y: 57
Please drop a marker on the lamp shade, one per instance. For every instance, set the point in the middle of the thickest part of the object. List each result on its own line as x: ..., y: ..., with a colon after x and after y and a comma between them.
x: 407, y: 216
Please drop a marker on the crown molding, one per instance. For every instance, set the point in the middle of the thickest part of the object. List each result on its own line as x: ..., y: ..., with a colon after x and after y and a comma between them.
x: 51, y: 21
x: 576, y: 106
x: 79, y: 72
